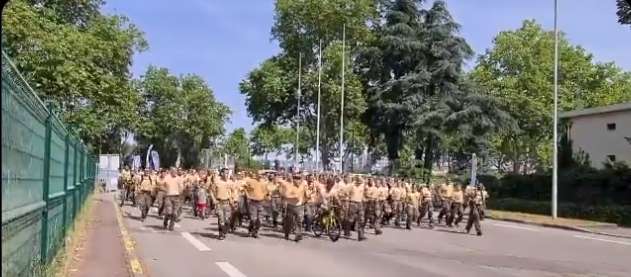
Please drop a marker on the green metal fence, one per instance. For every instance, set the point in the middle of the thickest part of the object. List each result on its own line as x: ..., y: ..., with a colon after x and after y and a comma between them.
x: 47, y: 173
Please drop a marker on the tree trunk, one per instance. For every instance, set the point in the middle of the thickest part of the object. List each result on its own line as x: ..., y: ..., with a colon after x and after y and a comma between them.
x: 428, y: 158
x: 178, y: 161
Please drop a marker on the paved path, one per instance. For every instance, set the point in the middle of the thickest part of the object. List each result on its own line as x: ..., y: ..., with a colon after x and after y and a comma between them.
x: 103, y: 254
x: 506, y: 249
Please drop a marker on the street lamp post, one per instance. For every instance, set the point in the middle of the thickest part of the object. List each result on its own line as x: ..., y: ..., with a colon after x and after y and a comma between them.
x: 555, y: 164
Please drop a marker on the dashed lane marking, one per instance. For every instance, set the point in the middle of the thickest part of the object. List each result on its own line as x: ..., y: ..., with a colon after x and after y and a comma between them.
x: 605, y: 240
x: 195, y: 242
x: 515, y: 227
x: 230, y: 269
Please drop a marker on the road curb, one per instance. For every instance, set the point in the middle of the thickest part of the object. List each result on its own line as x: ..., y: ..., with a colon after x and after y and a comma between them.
x: 133, y: 262
x: 564, y: 227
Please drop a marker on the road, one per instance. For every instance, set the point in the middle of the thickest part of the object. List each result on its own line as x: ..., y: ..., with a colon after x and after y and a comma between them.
x: 505, y: 249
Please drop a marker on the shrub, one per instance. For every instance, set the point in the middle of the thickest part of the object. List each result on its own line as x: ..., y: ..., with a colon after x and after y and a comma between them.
x: 619, y: 214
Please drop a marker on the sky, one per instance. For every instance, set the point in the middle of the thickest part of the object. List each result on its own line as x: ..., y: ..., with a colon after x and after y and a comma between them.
x: 222, y: 40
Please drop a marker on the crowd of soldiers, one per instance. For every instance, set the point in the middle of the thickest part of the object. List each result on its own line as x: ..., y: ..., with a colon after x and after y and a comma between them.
x: 295, y: 200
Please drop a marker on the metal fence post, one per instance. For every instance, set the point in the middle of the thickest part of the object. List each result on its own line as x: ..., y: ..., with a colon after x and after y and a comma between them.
x: 74, y: 182
x: 65, y: 216
x: 45, y: 184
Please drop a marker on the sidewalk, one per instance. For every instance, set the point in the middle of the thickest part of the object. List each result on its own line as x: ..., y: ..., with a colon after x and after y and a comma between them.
x: 102, y: 254
x: 594, y: 227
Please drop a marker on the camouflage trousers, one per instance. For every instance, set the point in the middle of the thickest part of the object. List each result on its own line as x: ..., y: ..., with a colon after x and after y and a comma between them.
x: 310, y: 211
x: 455, y: 214
x: 255, y: 209
x: 144, y: 203
x: 172, y: 203
x: 397, y: 211
x: 293, y: 219
x: 373, y: 214
x: 474, y: 218
x: 411, y: 212
x: 426, y: 208
x: 356, y: 218
x: 223, y: 210
x: 444, y: 210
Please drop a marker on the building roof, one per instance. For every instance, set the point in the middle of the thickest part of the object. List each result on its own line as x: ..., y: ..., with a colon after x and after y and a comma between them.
x: 597, y: 110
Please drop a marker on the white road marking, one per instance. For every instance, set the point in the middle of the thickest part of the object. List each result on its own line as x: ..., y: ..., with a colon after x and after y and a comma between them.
x: 516, y: 227
x: 606, y: 240
x: 195, y: 242
x: 230, y: 269
x: 177, y: 225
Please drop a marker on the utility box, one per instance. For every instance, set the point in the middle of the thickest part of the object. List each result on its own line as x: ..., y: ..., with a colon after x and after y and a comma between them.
x: 109, y: 165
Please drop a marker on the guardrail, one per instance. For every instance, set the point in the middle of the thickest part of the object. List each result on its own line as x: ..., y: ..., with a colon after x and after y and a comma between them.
x: 47, y: 173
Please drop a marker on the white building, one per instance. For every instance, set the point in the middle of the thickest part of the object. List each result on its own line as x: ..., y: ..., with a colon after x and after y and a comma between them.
x: 604, y: 133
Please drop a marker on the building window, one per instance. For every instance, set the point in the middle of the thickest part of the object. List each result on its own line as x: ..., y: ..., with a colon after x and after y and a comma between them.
x: 611, y: 158
x: 611, y: 126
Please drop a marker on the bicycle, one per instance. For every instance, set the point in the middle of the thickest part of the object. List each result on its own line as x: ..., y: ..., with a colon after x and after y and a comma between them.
x: 326, y: 221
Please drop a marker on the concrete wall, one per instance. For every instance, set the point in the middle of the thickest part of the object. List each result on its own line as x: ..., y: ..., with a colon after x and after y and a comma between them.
x: 590, y: 134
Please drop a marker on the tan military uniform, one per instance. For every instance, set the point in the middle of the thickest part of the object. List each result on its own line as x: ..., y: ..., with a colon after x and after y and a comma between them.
x: 426, y: 206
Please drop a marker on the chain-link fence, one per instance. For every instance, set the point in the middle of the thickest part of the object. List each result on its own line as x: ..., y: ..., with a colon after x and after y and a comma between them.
x: 46, y: 175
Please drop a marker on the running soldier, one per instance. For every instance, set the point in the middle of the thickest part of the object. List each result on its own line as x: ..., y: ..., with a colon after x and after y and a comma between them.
x: 381, y: 205
x: 314, y: 200
x: 221, y: 195
x: 445, y: 191
x: 125, y: 185
x: 255, y: 191
x: 295, y: 196
x: 456, y: 207
x: 144, y: 196
x: 173, y: 188
x: 396, y: 195
x: 473, y: 197
x: 356, y: 208
x: 426, y: 205
x: 412, y: 203
x: 274, y: 198
x: 372, y: 193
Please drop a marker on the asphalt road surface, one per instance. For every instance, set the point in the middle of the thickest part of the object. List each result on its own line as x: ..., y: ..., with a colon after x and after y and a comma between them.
x: 505, y: 249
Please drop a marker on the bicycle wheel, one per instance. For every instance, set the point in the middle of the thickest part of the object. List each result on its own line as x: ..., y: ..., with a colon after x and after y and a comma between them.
x: 316, y: 227
x: 335, y: 229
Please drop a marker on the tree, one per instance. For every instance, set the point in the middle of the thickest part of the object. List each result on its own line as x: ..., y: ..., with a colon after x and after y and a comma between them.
x: 267, y: 139
x: 78, y: 58
x: 624, y: 11
x: 180, y: 115
x: 237, y: 146
x: 518, y: 71
x: 271, y: 88
x: 392, y: 73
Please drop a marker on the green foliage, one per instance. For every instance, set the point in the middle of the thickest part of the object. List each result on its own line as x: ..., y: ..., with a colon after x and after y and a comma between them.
x: 237, y: 144
x: 78, y: 58
x: 180, y: 115
x: 417, y: 92
x: 624, y: 11
x: 518, y: 71
x: 267, y: 139
x: 299, y: 25
x: 581, y: 185
x: 271, y: 89
x: 619, y: 214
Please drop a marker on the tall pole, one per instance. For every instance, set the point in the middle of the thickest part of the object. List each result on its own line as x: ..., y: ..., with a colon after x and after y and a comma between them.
x: 555, y: 158
x: 298, y: 112
x: 342, y: 102
x: 317, y: 153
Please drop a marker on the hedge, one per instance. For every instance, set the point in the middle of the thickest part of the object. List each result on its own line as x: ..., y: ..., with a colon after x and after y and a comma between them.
x: 619, y: 214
